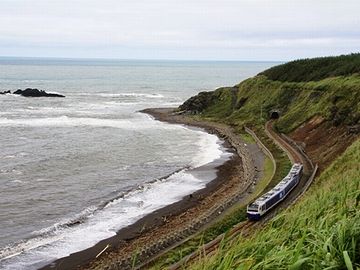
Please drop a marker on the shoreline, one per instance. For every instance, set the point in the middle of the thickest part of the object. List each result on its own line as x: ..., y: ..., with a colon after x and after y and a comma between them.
x: 171, y: 218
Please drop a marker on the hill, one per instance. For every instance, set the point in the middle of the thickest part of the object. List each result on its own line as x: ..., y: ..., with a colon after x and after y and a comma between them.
x: 308, y: 110
x: 317, y: 103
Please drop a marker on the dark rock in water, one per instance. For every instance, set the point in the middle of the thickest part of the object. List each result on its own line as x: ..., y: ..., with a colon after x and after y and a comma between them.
x: 30, y: 92
x: 5, y: 92
x: 18, y: 92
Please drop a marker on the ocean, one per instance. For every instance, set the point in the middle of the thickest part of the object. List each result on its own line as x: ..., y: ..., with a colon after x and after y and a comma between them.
x: 75, y: 170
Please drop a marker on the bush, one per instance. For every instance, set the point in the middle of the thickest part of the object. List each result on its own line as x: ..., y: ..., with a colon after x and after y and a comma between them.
x: 315, y: 69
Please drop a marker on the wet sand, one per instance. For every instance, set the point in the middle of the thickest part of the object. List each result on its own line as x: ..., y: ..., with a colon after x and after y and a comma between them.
x: 232, y: 177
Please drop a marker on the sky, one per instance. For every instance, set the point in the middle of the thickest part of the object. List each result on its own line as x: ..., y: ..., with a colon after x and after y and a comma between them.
x: 249, y: 30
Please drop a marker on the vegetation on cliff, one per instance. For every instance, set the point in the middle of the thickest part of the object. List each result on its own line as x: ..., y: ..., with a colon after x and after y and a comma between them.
x: 315, y: 69
x: 322, y: 231
x: 337, y: 99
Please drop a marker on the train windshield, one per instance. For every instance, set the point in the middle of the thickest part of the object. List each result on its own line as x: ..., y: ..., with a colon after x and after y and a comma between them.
x: 253, y: 207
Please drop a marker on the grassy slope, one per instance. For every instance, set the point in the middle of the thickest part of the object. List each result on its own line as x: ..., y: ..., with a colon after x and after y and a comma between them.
x: 315, y: 234
x: 322, y: 231
x: 336, y: 99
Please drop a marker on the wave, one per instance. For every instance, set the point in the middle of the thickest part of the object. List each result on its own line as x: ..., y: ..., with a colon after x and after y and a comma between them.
x: 15, y: 155
x: 132, y: 95
x: 11, y: 96
x: 90, y: 211
x: 143, y: 95
x: 74, y: 109
x: 65, y: 121
x: 210, y: 150
x: 97, y: 223
x: 209, y: 145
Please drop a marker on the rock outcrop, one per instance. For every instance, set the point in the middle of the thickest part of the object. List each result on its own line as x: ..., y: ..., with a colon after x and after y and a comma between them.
x: 30, y: 92
x: 198, y: 103
x: 5, y: 92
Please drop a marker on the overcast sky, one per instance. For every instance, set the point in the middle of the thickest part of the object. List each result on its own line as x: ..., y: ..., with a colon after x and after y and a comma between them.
x: 181, y: 29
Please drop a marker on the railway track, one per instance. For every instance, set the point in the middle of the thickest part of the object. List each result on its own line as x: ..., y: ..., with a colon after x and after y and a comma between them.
x: 293, y: 152
x: 295, y: 155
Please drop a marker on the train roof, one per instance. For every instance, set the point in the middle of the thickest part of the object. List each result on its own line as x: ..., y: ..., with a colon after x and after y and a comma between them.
x: 295, y: 169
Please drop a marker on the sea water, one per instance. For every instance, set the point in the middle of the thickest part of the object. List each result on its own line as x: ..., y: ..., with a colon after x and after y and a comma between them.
x: 90, y: 164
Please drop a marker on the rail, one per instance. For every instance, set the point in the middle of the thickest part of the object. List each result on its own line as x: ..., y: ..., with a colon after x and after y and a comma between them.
x: 308, y: 184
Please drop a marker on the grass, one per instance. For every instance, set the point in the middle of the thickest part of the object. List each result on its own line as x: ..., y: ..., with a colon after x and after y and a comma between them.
x: 268, y: 170
x: 247, y: 138
x: 322, y: 231
x: 335, y: 99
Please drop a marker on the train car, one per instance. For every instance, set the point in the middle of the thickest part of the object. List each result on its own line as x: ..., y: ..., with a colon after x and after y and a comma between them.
x: 268, y: 200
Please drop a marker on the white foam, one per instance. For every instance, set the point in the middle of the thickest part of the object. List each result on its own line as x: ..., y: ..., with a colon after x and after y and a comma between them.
x: 39, y: 251
x: 80, y: 107
x: 9, y: 156
x: 209, y: 145
x: 65, y: 121
x: 171, y: 104
x: 122, y: 103
x: 20, y: 154
x: 132, y: 95
x: 54, y: 92
x: 18, y: 172
x: 11, y: 171
x: 143, y: 95
x: 11, y: 96
x: 210, y: 150
x: 17, y: 182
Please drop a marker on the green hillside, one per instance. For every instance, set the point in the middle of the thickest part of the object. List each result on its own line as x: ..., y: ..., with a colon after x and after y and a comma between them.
x: 323, y: 230
x: 337, y: 99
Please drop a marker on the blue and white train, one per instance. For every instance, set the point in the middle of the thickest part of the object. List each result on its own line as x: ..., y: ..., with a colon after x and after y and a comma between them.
x: 268, y: 200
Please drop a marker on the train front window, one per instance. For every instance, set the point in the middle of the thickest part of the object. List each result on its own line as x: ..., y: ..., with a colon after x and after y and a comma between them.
x: 253, y: 207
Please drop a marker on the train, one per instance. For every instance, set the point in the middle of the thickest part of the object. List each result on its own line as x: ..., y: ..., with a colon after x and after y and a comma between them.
x: 267, y: 201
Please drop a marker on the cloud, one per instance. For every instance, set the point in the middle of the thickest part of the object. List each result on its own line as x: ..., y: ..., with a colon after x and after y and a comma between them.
x: 178, y: 29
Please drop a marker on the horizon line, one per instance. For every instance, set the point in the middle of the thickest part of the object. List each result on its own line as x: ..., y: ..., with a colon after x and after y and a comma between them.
x: 133, y: 59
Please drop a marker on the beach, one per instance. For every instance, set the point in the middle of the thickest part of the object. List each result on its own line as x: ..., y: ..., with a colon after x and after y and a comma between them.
x: 173, y: 223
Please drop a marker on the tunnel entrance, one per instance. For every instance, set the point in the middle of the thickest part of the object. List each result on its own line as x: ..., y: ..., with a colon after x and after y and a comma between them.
x: 274, y: 114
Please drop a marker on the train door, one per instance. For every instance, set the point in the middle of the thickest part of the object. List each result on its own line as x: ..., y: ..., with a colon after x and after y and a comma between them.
x: 262, y: 209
